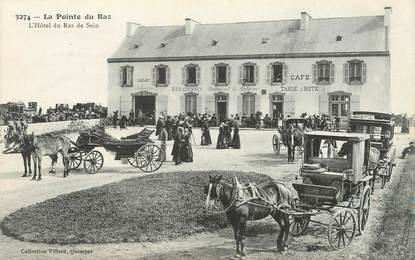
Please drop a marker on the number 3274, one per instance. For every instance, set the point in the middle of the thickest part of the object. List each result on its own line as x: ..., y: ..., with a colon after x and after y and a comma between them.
x: 22, y: 17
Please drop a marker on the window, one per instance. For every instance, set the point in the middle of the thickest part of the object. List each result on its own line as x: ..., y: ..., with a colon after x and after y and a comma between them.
x: 191, y: 104
x: 161, y: 75
x: 248, y: 74
x: 323, y: 72
x: 276, y: 73
x: 191, y: 75
x: 339, y: 105
x: 221, y: 74
x: 126, y: 76
x: 355, y: 72
x: 248, y: 104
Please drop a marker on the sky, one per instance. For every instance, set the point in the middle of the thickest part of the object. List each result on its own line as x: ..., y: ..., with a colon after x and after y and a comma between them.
x: 68, y: 65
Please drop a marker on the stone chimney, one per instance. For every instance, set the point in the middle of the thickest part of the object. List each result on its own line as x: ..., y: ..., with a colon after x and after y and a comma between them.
x: 305, y: 19
x: 387, y: 16
x: 190, y: 26
x: 131, y: 27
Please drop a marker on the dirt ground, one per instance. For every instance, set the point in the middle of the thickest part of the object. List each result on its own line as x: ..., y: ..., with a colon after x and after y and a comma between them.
x: 256, y: 155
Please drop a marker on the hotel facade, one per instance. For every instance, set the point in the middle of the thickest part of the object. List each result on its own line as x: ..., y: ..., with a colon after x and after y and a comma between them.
x: 320, y: 66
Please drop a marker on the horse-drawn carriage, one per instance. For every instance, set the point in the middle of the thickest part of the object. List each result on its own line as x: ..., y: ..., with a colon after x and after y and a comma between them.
x: 289, y: 135
x: 380, y: 127
x: 331, y: 184
x: 138, y: 149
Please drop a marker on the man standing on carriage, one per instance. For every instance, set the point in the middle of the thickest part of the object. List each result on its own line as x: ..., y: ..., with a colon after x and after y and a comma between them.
x: 159, y: 126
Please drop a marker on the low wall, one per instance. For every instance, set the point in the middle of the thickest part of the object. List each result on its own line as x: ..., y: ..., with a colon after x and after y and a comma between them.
x: 41, y: 128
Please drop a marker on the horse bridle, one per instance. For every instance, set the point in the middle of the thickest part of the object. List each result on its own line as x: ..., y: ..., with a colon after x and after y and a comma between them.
x: 219, y: 190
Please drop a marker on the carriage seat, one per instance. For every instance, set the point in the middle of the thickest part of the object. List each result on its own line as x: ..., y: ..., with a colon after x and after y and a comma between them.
x: 320, y: 174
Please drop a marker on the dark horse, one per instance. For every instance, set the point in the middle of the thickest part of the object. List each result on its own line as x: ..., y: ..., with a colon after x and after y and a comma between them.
x: 49, y: 145
x: 20, y: 143
x: 292, y: 138
x: 240, y: 207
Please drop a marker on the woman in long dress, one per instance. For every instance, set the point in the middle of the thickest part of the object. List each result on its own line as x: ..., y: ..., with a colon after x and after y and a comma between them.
x: 221, y: 143
x: 206, y: 139
x: 187, y: 151
x: 236, y: 141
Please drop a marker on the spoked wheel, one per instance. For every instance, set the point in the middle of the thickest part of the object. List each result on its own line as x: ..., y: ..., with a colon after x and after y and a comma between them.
x: 276, y: 146
x: 383, y: 173
x: 298, y: 224
x: 93, y: 161
x: 148, y: 158
x: 342, y: 229
x: 364, y: 208
x: 74, y: 158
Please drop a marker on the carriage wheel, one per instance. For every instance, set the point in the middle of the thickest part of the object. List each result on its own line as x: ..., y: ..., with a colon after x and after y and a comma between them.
x: 148, y: 158
x: 276, y: 146
x: 363, y: 210
x: 298, y: 224
x: 93, y: 162
x: 75, y: 158
x: 383, y: 172
x: 342, y: 229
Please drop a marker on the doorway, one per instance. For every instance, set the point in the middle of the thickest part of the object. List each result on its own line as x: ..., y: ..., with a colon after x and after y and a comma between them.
x: 276, y: 109
x: 147, y: 105
x: 221, y: 107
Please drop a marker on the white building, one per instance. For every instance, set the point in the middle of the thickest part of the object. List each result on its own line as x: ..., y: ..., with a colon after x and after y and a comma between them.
x: 319, y: 66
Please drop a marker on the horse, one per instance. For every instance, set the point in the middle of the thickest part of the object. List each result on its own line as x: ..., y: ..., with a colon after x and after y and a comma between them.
x: 20, y: 144
x: 240, y: 207
x: 49, y: 145
x: 292, y: 138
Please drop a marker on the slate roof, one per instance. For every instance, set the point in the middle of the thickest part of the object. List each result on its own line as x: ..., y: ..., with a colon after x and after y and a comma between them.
x: 359, y: 34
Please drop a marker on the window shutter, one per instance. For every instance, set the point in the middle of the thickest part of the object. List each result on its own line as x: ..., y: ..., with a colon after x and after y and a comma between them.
x: 241, y: 74
x: 167, y: 75
x: 257, y: 100
x: 153, y: 76
x: 129, y: 76
x: 364, y: 72
x: 289, y: 106
x: 182, y: 104
x: 284, y: 73
x: 199, y: 107
x: 269, y: 73
x: 121, y: 76
x: 324, y: 104
x: 239, y: 105
x: 214, y: 75
x: 197, y: 75
x: 332, y: 70
x: 314, y: 73
x: 210, y: 104
x: 184, y: 76
x: 346, y: 73
x: 256, y: 74
x: 161, y: 104
x: 228, y: 71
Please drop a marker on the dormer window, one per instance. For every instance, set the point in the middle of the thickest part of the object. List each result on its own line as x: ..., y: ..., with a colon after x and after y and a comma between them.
x: 163, y: 44
x: 339, y: 38
x: 264, y: 40
x: 214, y: 42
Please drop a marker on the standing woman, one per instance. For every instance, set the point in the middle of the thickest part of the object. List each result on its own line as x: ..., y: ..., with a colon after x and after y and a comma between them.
x: 221, y: 143
x: 227, y: 130
x: 236, y: 141
x: 206, y: 139
x: 187, y: 151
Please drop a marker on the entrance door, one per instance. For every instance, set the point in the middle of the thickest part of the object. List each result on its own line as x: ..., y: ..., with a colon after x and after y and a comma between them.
x: 276, y: 109
x: 147, y: 105
x: 221, y: 111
